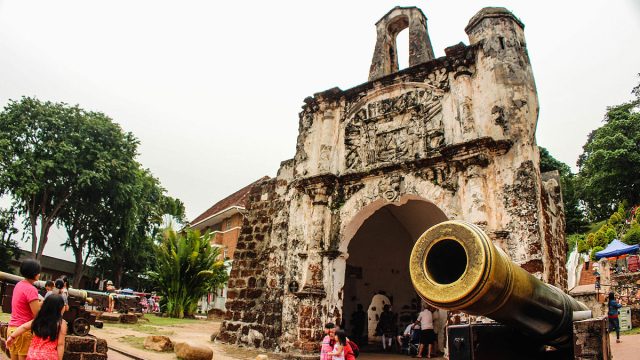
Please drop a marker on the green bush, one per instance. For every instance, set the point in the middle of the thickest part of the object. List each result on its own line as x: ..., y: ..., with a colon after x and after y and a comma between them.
x: 632, y: 236
x: 583, y: 246
x: 188, y: 267
x: 594, y: 251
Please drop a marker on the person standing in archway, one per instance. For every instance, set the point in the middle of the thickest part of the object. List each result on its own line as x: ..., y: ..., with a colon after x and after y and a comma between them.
x: 358, y: 320
x: 427, y: 334
x: 387, y: 326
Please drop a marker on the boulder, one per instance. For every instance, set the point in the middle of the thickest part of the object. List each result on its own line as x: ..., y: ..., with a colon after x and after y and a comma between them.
x: 190, y: 351
x: 158, y: 343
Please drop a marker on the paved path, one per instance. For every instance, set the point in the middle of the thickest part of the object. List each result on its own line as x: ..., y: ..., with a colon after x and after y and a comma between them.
x: 628, y: 349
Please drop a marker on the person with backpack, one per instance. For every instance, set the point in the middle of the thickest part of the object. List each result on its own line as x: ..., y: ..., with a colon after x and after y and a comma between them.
x: 612, y: 314
x: 48, y: 328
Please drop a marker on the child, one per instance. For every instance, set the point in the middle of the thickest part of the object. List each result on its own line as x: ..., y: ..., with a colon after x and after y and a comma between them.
x: 59, y: 290
x: 341, y: 349
x: 24, y: 305
x: 48, y: 287
x: 327, y: 341
x: 49, y: 331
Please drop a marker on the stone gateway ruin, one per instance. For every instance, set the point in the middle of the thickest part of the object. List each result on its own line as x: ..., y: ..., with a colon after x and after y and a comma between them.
x: 377, y: 165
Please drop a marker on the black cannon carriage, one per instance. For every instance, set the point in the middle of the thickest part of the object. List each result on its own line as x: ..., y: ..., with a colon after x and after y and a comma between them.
x: 78, y: 317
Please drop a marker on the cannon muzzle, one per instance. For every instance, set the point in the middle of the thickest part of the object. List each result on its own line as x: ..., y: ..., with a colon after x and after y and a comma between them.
x: 455, y: 266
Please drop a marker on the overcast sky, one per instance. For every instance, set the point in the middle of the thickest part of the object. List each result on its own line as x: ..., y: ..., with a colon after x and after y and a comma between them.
x: 213, y: 89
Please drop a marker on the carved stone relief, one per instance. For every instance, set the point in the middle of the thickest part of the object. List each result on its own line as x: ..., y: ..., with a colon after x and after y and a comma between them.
x: 400, y: 128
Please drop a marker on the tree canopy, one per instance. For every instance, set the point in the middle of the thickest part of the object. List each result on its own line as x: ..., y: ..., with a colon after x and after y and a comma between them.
x: 610, y: 162
x: 8, y: 246
x: 62, y: 164
x: 574, y: 216
x: 53, y: 153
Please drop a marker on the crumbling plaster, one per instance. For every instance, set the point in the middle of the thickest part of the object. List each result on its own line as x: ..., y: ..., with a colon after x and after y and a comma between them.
x: 457, y: 132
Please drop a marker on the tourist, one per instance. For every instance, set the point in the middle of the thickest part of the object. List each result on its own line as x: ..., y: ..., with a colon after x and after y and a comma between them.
x: 427, y: 335
x: 48, y: 287
x: 358, y: 321
x: 327, y: 341
x: 341, y: 348
x: 112, y: 294
x: 25, y: 304
x: 387, y: 327
x: 612, y: 314
x: 59, y: 290
x: 48, y: 330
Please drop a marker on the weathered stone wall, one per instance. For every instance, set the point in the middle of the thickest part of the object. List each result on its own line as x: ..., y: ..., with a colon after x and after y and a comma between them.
x: 254, y: 297
x: 457, y: 133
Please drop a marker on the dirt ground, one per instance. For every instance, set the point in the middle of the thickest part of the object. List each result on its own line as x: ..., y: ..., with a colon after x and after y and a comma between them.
x: 199, y: 332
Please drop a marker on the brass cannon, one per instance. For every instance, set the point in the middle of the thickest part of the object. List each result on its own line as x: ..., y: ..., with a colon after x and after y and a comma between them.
x: 455, y: 266
x: 78, y: 318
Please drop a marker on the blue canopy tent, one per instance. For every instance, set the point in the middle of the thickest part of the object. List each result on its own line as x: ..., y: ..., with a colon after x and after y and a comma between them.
x: 616, y: 248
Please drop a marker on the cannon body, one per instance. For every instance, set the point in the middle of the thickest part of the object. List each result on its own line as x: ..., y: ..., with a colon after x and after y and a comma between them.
x: 123, y: 303
x: 455, y: 266
x: 79, y: 319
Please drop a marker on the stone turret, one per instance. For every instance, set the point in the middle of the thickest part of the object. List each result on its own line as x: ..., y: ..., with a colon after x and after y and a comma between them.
x: 377, y: 165
x: 385, y: 55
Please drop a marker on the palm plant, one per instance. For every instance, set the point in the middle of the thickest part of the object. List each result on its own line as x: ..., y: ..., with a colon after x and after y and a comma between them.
x: 187, y: 268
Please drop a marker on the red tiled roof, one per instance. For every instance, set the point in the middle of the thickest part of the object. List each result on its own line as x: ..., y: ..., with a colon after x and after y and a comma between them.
x: 238, y: 198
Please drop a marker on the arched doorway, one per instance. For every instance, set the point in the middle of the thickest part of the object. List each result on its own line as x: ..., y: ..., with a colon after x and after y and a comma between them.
x: 378, y: 260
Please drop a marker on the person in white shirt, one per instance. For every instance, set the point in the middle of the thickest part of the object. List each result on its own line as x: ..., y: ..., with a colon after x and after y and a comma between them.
x: 427, y: 334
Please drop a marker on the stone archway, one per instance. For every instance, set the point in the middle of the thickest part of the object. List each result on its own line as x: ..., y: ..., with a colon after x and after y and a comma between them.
x: 378, y: 250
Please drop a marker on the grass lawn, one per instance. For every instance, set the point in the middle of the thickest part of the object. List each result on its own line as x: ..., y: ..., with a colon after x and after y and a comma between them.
x: 135, y: 341
x: 4, y: 317
x: 631, y: 332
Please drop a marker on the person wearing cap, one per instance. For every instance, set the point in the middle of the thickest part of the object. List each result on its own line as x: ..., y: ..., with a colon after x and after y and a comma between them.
x: 112, y: 294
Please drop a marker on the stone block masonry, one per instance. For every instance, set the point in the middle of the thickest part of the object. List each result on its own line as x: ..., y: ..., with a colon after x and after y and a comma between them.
x: 446, y: 138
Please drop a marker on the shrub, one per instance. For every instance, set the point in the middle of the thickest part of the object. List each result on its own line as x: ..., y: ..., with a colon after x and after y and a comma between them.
x: 583, y: 246
x: 594, y: 251
x: 632, y: 236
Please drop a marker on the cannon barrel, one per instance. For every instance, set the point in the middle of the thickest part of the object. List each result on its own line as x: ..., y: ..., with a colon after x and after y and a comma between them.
x: 455, y: 266
x: 14, y: 279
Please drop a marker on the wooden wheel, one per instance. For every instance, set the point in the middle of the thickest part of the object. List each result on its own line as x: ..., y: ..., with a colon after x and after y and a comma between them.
x: 80, y: 326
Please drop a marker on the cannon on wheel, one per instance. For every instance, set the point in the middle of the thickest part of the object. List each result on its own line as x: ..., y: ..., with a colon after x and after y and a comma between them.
x: 79, y: 319
x: 455, y: 266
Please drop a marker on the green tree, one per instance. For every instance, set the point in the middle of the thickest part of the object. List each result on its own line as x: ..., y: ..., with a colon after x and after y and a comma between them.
x: 88, y: 210
x: 574, y: 217
x: 8, y: 246
x: 49, y: 155
x: 139, y: 204
x: 632, y: 236
x: 188, y: 267
x: 610, y: 162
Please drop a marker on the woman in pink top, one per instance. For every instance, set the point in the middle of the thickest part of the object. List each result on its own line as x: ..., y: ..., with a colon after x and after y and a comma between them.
x: 49, y: 331
x: 24, y: 307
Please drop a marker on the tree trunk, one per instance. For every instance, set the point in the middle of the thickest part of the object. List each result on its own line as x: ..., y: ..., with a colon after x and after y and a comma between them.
x: 78, y: 268
x: 118, y: 274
